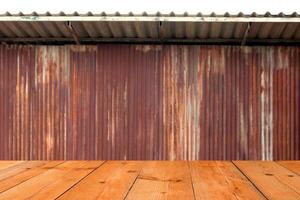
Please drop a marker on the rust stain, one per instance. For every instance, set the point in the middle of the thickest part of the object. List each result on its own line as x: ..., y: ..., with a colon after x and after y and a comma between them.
x: 183, y: 102
x: 147, y: 48
x: 82, y: 48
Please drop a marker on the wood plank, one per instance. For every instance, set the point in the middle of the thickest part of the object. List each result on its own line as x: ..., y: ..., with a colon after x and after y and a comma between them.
x: 163, y: 180
x: 52, y: 183
x: 150, y: 180
x: 273, y: 180
x: 293, y: 166
x: 110, y: 181
x: 221, y: 180
x: 24, y: 172
x: 13, y: 170
x: 6, y: 164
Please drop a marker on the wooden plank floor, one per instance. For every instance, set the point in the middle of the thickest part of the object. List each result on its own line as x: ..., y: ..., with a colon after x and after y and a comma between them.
x: 153, y: 180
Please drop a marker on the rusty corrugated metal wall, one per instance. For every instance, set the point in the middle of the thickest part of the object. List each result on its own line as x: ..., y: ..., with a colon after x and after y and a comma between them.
x: 149, y: 102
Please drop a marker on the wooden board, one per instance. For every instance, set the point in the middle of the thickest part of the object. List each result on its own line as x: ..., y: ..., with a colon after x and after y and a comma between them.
x: 131, y: 180
x: 52, y: 183
x: 163, y: 180
x: 7, y: 164
x: 16, y: 169
x: 22, y: 172
x: 293, y: 166
x: 273, y: 180
x: 110, y: 181
x: 221, y: 180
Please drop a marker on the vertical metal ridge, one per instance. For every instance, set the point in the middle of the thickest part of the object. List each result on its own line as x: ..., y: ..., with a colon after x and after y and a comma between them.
x: 148, y: 102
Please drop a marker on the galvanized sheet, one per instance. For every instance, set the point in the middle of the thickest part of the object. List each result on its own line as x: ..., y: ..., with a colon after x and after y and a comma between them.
x: 149, y: 102
x: 148, y: 31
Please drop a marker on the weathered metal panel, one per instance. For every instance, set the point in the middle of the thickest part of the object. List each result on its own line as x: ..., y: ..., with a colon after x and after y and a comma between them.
x: 149, y: 102
x: 149, y: 27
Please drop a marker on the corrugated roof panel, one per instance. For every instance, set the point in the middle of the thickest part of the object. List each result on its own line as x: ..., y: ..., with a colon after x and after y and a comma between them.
x: 63, y: 29
x: 40, y: 28
x: 157, y: 13
x: 52, y: 29
x: 103, y: 29
x: 179, y: 30
x: 115, y: 29
x: 153, y: 29
x: 215, y: 30
x: 265, y: 30
x: 254, y: 29
x: 27, y: 27
x: 297, y: 33
x: 167, y: 30
x: 289, y: 30
x: 79, y: 29
x: 190, y: 30
x: 6, y: 31
x: 228, y: 30
x: 129, y: 30
x: 277, y: 30
x: 147, y: 30
x: 1, y: 34
x: 140, y: 30
x: 240, y: 29
x: 203, y: 29
x: 14, y: 27
x: 99, y: 27
x: 91, y: 29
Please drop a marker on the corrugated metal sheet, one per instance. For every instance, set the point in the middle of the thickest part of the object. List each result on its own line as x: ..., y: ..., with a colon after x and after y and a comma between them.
x: 35, y: 30
x: 149, y: 102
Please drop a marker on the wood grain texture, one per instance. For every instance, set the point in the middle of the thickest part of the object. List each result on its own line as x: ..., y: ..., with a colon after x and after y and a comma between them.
x: 16, y: 169
x: 110, y: 181
x: 52, y: 183
x: 293, y: 166
x: 7, y: 164
x: 155, y: 180
x: 20, y: 174
x: 163, y: 180
x: 273, y: 180
x: 221, y: 180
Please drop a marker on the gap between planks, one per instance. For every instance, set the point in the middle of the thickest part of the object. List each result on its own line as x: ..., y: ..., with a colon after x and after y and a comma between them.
x: 243, y: 173
x: 272, y: 179
x: 186, y: 163
x: 189, y: 165
x: 136, y: 178
x: 80, y: 180
x: 27, y: 170
x: 249, y: 180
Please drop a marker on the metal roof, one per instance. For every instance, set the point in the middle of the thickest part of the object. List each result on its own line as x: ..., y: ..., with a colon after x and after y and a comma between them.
x: 196, y: 28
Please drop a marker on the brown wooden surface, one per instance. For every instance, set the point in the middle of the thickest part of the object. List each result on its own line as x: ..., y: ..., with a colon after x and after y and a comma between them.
x: 8, y: 164
x: 53, y: 182
x: 163, y: 180
x: 226, y: 179
x: 134, y: 180
x: 293, y: 166
x: 111, y: 181
x: 273, y: 180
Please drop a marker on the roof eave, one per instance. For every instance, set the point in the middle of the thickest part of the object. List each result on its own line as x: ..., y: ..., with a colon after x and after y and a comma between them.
x: 148, y: 19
